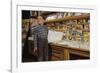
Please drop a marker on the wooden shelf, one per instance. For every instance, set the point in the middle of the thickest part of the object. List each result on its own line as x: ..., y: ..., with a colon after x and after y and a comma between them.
x: 68, y: 18
x: 64, y: 19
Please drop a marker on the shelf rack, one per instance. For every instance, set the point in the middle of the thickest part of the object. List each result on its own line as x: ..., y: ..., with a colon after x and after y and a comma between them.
x: 68, y: 18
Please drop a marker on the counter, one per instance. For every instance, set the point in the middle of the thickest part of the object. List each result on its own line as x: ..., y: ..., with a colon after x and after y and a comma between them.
x: 61, y: 50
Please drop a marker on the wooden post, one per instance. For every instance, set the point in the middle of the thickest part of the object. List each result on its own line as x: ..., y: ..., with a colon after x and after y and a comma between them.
x: 66, y: 54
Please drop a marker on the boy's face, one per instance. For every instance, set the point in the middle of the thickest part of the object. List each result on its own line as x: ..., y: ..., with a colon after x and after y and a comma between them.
x: 33, y: 21
x: 40, y: 20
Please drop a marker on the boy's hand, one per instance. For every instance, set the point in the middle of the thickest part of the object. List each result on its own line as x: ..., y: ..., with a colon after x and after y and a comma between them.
x: 34, y: 51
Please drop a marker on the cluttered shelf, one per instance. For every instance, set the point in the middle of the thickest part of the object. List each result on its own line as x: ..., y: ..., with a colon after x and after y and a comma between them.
x: 75, y: 26
x: 64, y: 18
x: 69, y: 18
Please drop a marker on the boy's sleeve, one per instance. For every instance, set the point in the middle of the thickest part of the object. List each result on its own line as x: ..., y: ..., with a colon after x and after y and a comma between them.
x: 35, y: 38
